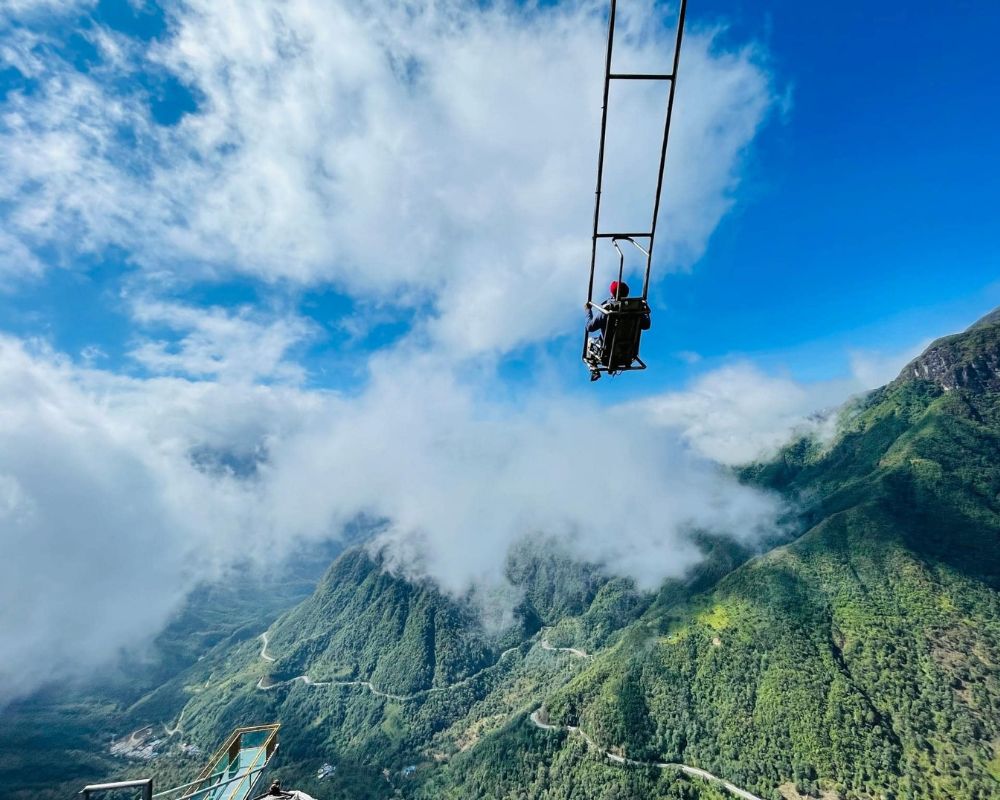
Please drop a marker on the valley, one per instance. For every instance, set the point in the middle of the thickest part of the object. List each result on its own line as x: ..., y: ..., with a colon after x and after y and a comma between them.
x: 856, y: 658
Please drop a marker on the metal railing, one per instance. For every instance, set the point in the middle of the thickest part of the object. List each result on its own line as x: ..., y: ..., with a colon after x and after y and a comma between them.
x: 146, y: 784
x: 210, y: 787
x: 211, y: 778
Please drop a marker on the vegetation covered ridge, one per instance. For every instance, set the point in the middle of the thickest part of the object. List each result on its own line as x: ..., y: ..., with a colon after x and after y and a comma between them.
x: 969, y: 360
x: 539, y: 716
x: 864, y: 658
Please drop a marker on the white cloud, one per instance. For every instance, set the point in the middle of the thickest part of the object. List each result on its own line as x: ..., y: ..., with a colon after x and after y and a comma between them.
x: 872, y: 368
x: 738, y: 413
x: 17, y: 262
x: 93, y: 542
x: 439, y: 459
x: 27, y: 9
x: 434, y: 153
x: 106, y: 493
x: 231, y: 346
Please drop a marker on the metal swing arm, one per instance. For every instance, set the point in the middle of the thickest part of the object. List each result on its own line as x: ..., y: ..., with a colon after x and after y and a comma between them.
x: 621, y: 259
x: 671, y: 80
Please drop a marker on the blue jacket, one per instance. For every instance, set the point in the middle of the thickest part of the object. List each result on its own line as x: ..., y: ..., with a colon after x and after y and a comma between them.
x: 596, y: 322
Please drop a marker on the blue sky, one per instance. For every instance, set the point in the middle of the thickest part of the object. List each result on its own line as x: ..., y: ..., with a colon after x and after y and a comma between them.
x: 869, y: 217
x: 863, y: 219
x: 344, y: 245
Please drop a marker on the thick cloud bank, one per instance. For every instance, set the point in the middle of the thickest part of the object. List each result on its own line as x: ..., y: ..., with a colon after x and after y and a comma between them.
x: 116, y: 495
x: 738, y: 413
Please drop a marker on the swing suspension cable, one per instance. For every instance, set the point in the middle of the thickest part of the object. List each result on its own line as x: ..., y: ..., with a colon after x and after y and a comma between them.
x: 671, y: 80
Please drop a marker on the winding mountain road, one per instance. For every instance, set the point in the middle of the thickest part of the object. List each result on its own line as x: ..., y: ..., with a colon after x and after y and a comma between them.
x: 544, y: 644
x: 263, y: 648
x: 177, y: 725
x: 307, y: 681
x: 617, y: 759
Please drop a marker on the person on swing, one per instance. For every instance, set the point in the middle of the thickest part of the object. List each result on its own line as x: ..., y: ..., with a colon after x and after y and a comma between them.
x: 597, y: 322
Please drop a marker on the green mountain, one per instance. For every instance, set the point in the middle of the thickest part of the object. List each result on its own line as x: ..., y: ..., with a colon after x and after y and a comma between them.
x: 375, y: 673
x: 859, y: 658
x: 864, y: 658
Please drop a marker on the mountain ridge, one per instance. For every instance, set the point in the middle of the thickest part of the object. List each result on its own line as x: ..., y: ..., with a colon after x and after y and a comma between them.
x: 991, y: 318
x: 887, y: 603
x: 969, y: 360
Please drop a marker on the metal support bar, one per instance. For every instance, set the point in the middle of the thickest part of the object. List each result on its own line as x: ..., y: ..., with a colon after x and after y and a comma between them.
x: 165, y: 792
x: 681, y: 14
x: 600, y: 149
x: 600, y: 161
x: 623, y: 235
x: 635, y: 244
x: 631, y: 368
x: 640, y: 76
x: 146, y: 784
x: 621, y: 266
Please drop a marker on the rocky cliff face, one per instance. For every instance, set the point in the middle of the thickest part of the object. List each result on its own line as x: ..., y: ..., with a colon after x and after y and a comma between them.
x: 969, y: 360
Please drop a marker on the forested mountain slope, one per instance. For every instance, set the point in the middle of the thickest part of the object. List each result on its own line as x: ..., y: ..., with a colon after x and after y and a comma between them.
x: 375, y: 672
x: 865, y: 657
x: 362, y: 622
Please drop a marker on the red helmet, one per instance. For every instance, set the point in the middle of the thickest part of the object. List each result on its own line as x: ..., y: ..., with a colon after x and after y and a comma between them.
x: 618, y: 290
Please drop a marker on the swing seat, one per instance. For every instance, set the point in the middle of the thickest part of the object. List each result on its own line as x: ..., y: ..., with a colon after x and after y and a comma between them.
x: 619, y: 345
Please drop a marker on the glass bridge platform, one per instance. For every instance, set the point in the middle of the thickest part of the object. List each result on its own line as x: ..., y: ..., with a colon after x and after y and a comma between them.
x: 232, y: 773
